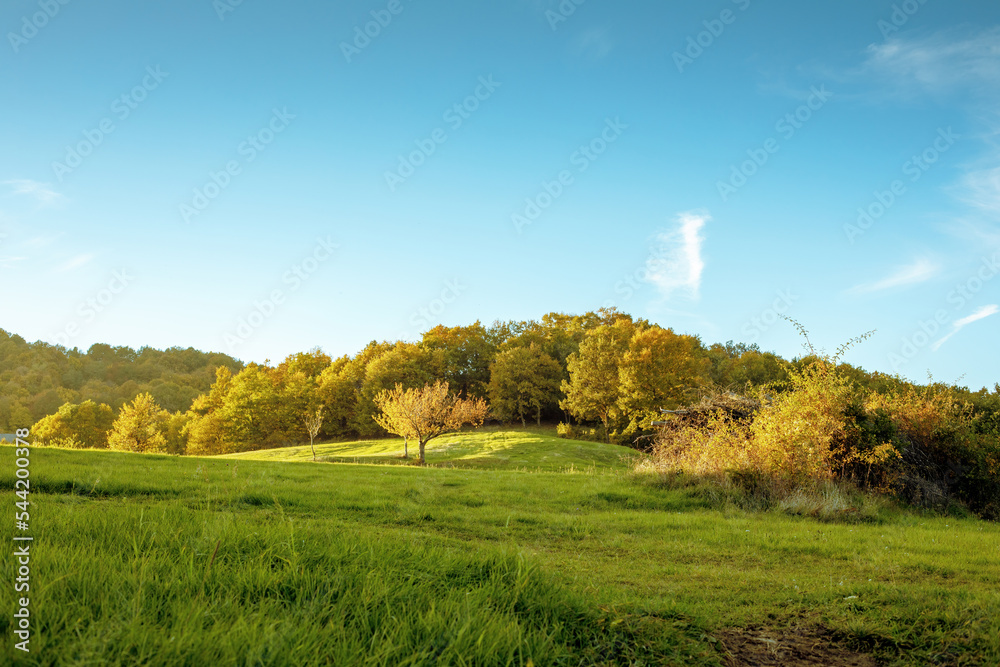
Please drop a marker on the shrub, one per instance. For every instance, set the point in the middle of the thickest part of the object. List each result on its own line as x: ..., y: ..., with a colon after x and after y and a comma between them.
x: 577, y: 432
x: 921, y: 444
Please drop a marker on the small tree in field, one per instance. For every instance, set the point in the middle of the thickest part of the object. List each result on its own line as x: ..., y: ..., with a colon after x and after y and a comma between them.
x: 314, y: 422
x: 425, y: 413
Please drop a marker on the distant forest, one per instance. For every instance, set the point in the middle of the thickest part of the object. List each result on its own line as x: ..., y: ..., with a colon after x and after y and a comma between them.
x: 602, y: 375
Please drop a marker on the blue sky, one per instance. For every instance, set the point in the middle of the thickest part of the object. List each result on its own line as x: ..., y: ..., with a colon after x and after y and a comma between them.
x: 261, y: 178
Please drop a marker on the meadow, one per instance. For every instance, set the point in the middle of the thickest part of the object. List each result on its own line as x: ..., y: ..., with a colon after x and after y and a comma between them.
x: 512, y: 547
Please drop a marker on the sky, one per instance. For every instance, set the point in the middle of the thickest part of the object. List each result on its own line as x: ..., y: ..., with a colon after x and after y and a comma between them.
x: 261, y: 178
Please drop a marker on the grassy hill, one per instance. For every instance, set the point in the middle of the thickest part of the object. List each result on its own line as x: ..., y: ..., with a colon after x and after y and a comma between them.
x: 530, y: 449
x: 159, y: 560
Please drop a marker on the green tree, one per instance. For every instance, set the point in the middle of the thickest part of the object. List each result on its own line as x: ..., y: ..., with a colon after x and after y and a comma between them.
x: 461, y: 356
x: 252, y: 412
x: 403, y: 363
x: 523, y: 380
x: 592, y: 391
x: 80, y: 426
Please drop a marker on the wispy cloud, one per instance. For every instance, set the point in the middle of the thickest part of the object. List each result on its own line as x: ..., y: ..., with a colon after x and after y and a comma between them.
x: 942, y: 63
x: 8, y: 262
x: 42, y: 192
x: 920, y: 271
x: 958, y: 325
x: 981, y: 190
x: 680, y: 265
x: 75, y: 263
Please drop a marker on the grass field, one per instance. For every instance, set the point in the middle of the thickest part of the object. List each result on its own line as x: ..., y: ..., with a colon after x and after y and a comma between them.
x: 214, y: 561
x: 530, y: 449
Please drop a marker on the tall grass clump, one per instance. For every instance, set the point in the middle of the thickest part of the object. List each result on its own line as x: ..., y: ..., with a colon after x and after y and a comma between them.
x: 793, y: 444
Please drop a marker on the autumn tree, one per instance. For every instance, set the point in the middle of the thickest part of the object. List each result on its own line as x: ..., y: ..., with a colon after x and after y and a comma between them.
x: 592, y: 391
x: 523, y: 380
x: 427, y: 412
x: 139, y: 426
x: 660, y: 369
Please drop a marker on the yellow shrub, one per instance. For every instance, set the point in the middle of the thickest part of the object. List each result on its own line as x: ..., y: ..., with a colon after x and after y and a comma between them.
x: 796, y: 435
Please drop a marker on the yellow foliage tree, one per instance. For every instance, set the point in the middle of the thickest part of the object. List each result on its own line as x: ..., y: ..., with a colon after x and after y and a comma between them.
x: 427, y: 412
x: 139, y: 426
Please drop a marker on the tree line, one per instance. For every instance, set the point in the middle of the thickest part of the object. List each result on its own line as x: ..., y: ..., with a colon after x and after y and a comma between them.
x: 37, y: 378
x: 602, y: 375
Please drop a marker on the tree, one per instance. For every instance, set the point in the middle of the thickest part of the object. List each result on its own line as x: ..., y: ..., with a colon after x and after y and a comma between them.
x: 79, y: 426
x: 139, y: 426
x: 461, y: 356
x: 405, y: 363
x: 426, y: 412
x: 253, y: 412
x: 593, y: 387
x: 314, y: 422
x: 523, y: 380
x: 661, y: 369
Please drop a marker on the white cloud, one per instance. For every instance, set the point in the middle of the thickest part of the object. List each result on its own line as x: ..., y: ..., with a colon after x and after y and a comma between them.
x: 981, y: 189
x: 7, y: 262
x: 958, y: 325
x: 75, y: 263
x: 42, y: 192
x: 941, y: 63
x: 920, y: 271
x: 678, y: 265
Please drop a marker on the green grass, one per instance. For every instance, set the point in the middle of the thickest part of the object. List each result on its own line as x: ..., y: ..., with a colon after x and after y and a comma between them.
x: 530, y: 449
x: 399, y: 565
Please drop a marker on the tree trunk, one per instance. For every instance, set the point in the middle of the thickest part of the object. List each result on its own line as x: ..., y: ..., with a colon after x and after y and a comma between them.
x: 422, y: 445
x: 538, y: 416
x: 312, y: 447
x: 523, y: 423
x: 406, y: 448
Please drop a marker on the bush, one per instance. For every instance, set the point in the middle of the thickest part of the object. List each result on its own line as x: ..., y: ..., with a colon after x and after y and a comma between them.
x: 577, y: 432
x: 922, y: 445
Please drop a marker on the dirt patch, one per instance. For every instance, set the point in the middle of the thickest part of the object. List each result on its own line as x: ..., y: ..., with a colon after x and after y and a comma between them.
x: 795, y: 646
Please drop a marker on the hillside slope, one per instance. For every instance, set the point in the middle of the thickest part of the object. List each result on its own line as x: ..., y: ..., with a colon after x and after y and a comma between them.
x: 536, y: 449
